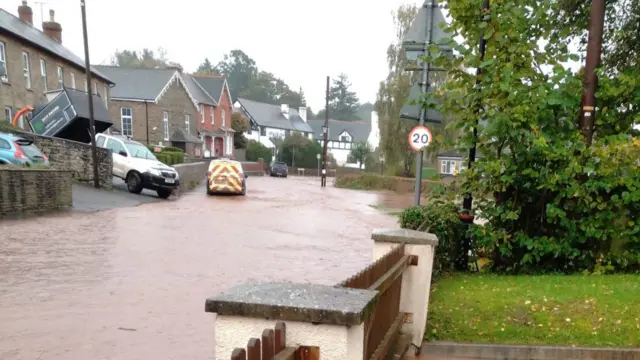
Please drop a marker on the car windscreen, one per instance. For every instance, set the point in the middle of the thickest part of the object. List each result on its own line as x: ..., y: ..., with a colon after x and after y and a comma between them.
x: 138, y: 150
x: 279, y: 164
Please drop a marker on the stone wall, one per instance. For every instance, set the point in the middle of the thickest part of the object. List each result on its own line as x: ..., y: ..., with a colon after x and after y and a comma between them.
x: 76, y: 157
x: 191, y: 174
x: 25, y: 191
x: 253, y: 168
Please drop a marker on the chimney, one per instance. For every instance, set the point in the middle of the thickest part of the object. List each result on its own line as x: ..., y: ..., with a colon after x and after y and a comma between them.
x: 303, y: 113
x: 52, y: 28
x: 25, y: 13
x: 284, y: 108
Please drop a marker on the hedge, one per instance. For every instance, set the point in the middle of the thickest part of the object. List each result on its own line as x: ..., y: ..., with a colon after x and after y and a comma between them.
x: 372, y: 181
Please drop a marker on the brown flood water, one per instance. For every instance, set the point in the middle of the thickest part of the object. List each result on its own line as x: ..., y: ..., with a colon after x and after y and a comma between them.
x: 130, y: 283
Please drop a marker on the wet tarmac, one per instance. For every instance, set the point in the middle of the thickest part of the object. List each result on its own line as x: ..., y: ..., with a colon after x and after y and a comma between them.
x: 130, y: 283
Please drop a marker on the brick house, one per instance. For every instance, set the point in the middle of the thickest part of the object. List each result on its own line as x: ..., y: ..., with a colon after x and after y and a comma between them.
x: 34, y: 63
x: 215, y: 121
x: 155, y: 106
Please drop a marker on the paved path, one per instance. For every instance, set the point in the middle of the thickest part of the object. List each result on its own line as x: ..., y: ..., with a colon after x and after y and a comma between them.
x: 130, y: 283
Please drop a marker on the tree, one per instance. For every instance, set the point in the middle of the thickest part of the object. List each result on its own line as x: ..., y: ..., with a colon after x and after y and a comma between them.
x: 239, y: 69
x: 343, y: 103
x: 255, y: 151
x: 552, y: 202
x: 392, y: 93
x: 146, y: 58
x: 277, y: 141
x: 267, y: 88
x: 206, y: 68
x: 299, y: 151
x: 359, y: 152
x: 240, y: 124
x: 364, y: 111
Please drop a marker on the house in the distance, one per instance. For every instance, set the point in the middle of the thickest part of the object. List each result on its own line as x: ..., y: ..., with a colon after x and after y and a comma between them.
x: 215, y: 106
x: 155, y: 106
x: 450, y: 162
x: 273, y: 121
x: 343, y: 135
x: 34, y: 64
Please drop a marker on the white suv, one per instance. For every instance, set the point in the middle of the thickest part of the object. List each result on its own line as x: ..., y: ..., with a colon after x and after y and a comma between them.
x: 138, y: 167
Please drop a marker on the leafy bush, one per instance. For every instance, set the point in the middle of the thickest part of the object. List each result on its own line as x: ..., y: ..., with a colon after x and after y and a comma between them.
x: 300, y: 151
x: 169, y: 155
x: 441, y: 219
x: 256, y: 150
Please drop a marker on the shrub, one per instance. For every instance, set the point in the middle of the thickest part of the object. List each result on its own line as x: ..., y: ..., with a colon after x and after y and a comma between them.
x: 256, y: 150
x: 373, y: 181
x: 441, y: 219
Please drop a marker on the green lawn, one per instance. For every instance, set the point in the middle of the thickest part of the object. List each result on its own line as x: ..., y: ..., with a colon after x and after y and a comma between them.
x: 428, y: 173
x: 533, y: 310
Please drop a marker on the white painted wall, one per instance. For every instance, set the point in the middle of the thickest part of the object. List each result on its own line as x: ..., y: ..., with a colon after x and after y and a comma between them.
x: 416, y: 286
x: 335, y: 342
x: 374, y: 135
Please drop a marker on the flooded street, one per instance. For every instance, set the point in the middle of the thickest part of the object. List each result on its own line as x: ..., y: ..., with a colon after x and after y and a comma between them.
x: 130, y: 283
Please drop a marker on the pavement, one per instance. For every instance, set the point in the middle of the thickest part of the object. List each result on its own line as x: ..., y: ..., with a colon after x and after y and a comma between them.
x: 126, y: 276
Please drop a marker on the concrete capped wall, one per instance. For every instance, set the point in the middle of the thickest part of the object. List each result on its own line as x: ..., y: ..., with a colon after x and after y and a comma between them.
x: 25, y: 191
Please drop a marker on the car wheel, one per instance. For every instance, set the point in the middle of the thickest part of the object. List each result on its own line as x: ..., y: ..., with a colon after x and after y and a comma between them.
x: 244, y: 190
x: 209, y: 192
x: 164, y: 193
x: 134, y: 182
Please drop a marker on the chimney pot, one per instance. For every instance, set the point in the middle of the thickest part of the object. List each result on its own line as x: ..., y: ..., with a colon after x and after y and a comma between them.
x: 51, y: 28
x: 25, y: 13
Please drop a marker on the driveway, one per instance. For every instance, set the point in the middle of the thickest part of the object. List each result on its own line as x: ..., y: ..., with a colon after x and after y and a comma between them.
x: 130, y: 282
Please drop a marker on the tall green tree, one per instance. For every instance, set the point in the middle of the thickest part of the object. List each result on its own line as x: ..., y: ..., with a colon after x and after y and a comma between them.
x: 240, y: 124
x: 146, y: 58
x: 206, y: 68
x: 360, y: 152
x: 392, y: 93
x: 239, y: 69
x: 343, y: 102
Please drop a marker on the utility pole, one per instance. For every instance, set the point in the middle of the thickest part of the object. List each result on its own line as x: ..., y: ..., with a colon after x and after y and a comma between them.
x: 92, y: 127
x: 325, y: 130
x: 424, y: 86
x: 590, y: 84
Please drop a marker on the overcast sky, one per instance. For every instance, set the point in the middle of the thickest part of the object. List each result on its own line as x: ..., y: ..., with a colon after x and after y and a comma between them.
x: 299, y: 41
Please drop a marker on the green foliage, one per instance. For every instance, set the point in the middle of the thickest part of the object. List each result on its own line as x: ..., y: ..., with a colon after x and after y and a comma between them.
x: 374, y: 181
x: 552, y: 203
x: 441, y: 219
x: 299, y: 151
x: 240, y: 124
x: 255, y: 151
x: 360, y: 152
x: 168, y: 155
x: 343, y: 103
x: 146, y: 58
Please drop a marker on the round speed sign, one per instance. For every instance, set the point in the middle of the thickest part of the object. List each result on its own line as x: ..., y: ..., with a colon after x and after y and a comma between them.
x: 419, y: 138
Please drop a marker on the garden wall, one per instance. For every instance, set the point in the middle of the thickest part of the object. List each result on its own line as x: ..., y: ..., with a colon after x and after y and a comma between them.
x: 25, y: 191
x: 191, y: 174
x: 256, y: 168
x: 74, y: 156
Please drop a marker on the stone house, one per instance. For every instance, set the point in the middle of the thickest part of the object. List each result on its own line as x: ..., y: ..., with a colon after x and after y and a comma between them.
x: 34, y: 63
x: 215, y: 119
x: 155, y: 106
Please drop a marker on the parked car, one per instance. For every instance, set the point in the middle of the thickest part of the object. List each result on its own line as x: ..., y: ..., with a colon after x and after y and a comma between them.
x: 278, y: 168
x: 226, y: 176
x: 19, y: 151
x: 134, y: 163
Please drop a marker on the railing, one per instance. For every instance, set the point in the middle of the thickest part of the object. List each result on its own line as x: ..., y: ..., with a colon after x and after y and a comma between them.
x: 273, y: 347
x: 385, y: 276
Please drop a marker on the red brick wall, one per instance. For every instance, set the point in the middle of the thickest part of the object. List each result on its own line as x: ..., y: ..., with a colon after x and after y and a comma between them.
x: 225, y: 105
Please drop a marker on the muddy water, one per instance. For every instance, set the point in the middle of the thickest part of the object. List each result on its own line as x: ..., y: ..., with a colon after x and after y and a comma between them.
x: 130, y: 283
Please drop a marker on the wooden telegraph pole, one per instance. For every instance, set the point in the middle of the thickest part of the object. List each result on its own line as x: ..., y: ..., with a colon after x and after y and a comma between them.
x: 325, y: 130
x: 594, y: 49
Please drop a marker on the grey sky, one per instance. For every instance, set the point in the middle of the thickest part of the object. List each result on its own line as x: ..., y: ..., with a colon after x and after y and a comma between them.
x: 300, y: 41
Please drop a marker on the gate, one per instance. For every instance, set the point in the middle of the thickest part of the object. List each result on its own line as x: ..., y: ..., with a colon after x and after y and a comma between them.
x: 384, y: 276
x: 273, y: 347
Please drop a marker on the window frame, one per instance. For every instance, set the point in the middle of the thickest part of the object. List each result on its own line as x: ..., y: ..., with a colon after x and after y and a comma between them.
x: 213, y: 115
x: 124, y: 117
x: 73, y: 80
x: 26, y: 69
x: 187, y: 123
x: 3, y: 60
x: 43, y: 73
x: 224, y: 118
x: 202, y: 113
x: 8, y: 110
x: 165, y: 125
x: 60, y: 74
x: 263, y: 131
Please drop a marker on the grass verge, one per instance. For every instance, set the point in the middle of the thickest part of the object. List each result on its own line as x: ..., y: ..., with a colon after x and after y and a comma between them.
x: 372, y: 181
x: 580, y: 310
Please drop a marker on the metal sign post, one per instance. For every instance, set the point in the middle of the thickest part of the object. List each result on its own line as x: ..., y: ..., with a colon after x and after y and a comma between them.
x: 318, y: 156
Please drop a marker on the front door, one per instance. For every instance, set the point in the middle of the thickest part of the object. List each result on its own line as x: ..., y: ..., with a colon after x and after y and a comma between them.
x: 218, y: 146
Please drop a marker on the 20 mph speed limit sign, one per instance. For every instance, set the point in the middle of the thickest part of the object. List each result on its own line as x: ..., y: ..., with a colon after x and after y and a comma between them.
x: 419, y: 138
